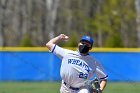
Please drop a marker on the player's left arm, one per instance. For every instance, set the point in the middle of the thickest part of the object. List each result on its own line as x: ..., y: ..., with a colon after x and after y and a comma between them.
x: 102, y: 75
x: 103, y: 84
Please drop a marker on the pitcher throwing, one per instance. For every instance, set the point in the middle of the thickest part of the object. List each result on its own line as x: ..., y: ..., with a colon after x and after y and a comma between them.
x: 77, y: 66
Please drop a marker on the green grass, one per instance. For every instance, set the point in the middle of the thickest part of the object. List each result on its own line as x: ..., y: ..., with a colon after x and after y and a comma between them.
x: 122, y: 87
x: 29, y: 87
x: 53, y: 87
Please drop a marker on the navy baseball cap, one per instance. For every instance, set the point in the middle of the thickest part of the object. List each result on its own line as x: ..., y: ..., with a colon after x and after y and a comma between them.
x: 87, y: 38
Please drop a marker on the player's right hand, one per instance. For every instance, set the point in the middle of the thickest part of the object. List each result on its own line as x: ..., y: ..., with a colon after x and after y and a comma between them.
x: 63, y: 37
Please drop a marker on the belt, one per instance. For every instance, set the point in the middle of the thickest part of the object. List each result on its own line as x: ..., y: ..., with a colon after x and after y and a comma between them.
x: 73, y: 88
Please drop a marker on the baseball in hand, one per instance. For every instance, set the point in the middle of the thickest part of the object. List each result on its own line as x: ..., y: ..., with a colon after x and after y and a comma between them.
x: 66, y: 37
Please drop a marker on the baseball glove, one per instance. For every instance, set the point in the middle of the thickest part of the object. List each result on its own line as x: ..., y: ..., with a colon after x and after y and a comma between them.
x: 93, y: 86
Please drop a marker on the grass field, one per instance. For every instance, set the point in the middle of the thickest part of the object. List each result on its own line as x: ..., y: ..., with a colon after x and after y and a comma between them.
x: 53, y: 87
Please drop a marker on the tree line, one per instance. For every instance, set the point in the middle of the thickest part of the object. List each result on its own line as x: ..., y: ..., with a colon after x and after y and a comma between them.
x: 112, y: 23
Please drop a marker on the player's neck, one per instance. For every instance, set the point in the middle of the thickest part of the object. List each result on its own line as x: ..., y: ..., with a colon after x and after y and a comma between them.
x: 83, y: 54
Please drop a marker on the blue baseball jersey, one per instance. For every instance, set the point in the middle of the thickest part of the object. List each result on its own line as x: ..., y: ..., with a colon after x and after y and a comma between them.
x: 77, y: 68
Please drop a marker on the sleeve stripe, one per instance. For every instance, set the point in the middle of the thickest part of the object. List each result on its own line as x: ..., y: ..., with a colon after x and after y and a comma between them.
x: 104, y: 77
x: 53, y: 48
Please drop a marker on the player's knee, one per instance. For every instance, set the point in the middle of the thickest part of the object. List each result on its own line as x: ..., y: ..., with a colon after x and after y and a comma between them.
x: 83, y: 91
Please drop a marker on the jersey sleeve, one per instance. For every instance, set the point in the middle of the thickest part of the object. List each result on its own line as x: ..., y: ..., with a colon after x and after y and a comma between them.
x: 58, y: 51
x: 100, y: 71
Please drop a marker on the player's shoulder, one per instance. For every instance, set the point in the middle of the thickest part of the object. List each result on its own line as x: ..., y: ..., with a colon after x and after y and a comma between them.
x: 70, y: 51
x: 73, y: 53
x: 92, y: 58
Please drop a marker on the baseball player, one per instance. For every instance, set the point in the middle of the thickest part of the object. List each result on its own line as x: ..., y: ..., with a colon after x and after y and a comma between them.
x: 77, y: 66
